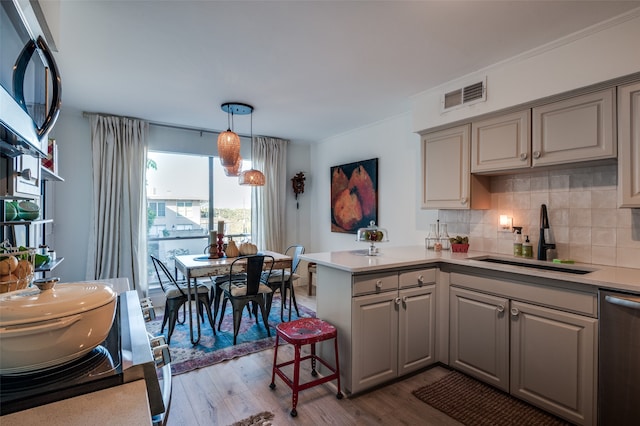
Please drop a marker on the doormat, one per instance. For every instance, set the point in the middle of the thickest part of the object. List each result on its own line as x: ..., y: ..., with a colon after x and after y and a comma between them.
x: 261, y: 419
x: 474, y: 403
x: 212, y: 349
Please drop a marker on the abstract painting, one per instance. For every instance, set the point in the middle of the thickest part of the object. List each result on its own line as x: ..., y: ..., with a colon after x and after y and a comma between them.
x: 354, y: 195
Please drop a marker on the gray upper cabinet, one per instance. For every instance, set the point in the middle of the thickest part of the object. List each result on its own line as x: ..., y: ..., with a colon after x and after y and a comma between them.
x: 581, y: 128
x: 501, y: 143
x: 447, y: 182
x: 629, y: 145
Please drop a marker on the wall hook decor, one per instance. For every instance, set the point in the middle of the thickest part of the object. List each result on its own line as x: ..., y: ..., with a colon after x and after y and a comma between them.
x: 298, y: 186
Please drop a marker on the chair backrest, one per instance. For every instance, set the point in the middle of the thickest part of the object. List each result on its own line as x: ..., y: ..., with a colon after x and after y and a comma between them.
x: 164, y: 275
x: 253, y: 266
x: 294, y: 251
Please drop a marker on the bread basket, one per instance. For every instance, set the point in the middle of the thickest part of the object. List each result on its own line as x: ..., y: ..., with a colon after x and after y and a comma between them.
x: 17, y: 267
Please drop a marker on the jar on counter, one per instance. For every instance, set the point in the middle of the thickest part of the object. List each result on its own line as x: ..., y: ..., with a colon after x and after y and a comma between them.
x: 52, y: 255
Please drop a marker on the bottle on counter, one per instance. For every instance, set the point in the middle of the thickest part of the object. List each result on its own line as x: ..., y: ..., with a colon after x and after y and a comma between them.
x: 527, y: 248
x: 517, y: 241
x: 433, y: 237
x: 443, y: 237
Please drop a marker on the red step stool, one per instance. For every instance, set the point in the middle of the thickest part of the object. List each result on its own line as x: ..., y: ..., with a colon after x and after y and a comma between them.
x: 305, y: 331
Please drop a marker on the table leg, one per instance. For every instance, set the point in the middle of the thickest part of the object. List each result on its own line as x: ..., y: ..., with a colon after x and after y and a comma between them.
x: 194, y: 341
x: 283, y: 297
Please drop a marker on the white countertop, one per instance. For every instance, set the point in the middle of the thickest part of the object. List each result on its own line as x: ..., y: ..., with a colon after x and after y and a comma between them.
x: 357, y: 261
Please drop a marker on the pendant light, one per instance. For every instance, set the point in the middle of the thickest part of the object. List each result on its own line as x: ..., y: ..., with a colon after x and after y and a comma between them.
x: 234, y: 171
x: 229, y: 141
x: 252, y: 177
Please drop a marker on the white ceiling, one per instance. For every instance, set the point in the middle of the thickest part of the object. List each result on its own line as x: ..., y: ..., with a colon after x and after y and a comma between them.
x: 311, y: 69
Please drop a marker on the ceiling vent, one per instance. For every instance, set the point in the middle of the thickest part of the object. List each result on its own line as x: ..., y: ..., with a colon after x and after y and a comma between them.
x: 471, y: 94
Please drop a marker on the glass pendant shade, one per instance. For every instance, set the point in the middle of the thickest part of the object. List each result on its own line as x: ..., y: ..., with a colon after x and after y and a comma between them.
x: 235, y: 169
x: 228, y: 148
x: 252, y: 177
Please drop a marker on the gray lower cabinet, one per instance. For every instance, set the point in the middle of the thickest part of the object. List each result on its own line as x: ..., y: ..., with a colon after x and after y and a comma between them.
x: 541, y: 354
x: 396, y: 326
x: 479, y: 336
x: 385, y: 322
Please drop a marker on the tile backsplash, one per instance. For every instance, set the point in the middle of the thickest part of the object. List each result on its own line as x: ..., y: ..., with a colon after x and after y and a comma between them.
x: 585, y: 223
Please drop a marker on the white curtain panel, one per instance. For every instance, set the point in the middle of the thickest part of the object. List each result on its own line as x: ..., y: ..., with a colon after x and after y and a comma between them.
x: 117, y: 243
x: 269, y: 155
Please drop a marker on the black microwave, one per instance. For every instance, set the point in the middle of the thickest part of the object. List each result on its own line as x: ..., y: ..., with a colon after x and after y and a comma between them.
x: 30, y: 90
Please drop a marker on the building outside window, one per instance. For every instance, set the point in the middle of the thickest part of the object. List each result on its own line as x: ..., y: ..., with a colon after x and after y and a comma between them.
x: 182, y: 191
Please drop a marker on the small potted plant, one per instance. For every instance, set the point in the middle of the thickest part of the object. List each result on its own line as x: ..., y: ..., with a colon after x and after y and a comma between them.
x: 459, y: 244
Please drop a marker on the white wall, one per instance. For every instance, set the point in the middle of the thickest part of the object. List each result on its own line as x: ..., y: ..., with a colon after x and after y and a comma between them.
x: 609, y: 52
x: 398, y: 153
x: 298, y: 225
x: 72, y: 204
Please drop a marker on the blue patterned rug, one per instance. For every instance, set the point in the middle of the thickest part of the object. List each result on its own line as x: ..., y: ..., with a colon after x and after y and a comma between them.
x: 214, y: 349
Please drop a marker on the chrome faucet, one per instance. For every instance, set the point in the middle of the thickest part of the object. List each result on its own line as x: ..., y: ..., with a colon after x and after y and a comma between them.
x: 544, y: 226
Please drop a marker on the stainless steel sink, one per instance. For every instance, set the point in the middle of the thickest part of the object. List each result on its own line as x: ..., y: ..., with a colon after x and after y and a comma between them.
x: 535, y: 265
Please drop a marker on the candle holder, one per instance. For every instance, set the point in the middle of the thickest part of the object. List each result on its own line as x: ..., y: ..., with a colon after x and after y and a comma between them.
x: 220, y: 245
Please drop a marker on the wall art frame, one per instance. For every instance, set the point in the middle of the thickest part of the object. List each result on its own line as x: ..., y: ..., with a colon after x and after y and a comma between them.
x: 354, y: 195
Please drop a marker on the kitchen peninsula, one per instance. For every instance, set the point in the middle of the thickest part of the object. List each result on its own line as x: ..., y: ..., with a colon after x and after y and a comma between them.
x: 409, y: 307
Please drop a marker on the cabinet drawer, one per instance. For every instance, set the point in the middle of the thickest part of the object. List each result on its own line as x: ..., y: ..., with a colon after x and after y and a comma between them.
x: 570, y: 300
x: 417, y: 278
x: 374, y: 283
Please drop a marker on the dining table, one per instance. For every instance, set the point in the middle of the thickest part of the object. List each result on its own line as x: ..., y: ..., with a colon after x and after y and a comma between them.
x: 194, y: 266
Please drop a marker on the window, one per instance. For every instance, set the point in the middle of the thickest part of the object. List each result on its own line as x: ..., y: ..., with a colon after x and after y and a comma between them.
x: 183, y: 208
x: 182, y: 191
x: 158, y: 208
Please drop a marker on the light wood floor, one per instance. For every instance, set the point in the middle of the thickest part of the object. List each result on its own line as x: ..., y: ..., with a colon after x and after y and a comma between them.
x: 230, y: 391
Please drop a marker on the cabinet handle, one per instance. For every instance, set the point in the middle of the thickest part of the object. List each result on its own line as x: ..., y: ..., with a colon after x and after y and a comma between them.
x: 379, y: 284
x: 536, y: 154
x: 397, y: 300
x: 420, y: 279
x: 404, y: 299
x: 500, y: 308
x: 523, y: 156
x: 515, y: 312
x: 463, y: 200
x: 26, y: 174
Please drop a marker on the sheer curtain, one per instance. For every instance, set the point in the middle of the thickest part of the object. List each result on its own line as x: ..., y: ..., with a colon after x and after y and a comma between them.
x: 269, y: 155
x: 117, y: 247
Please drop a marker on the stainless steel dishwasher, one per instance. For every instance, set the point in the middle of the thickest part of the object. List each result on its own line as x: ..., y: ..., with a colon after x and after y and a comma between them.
x: 619, y: 359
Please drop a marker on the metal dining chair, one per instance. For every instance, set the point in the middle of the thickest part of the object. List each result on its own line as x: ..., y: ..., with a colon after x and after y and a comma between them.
x: 176, y: 295
x: 283, y: 280
x: 240, y: 292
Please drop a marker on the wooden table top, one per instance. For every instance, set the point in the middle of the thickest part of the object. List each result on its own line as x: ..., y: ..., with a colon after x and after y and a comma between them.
x: 199, y: 265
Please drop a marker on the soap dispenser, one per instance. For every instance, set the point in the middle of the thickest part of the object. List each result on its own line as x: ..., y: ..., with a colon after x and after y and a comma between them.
x: 527, y: 248
x: 517, y: 241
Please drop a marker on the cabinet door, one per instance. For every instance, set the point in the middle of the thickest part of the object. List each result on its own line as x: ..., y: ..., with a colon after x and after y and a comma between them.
x: 576, y: 129
x: 24, y: 176
x: 501, y: 143
x: 416, y: 342
x: 375, y: 340
x: 479, y: 336
x: 629, y: 145
x: 445, y: 169
x: 553, y: 361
